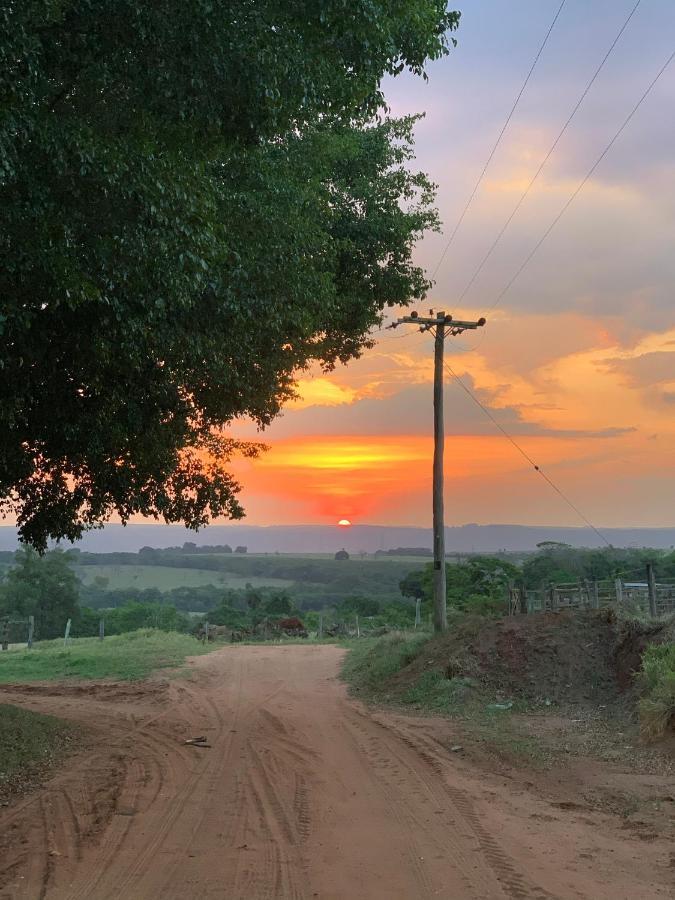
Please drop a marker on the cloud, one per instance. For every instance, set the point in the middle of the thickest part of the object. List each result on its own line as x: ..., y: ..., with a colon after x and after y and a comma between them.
x: 648, y: 369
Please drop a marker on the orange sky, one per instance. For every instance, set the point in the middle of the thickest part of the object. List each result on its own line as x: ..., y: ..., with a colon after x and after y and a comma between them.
x: 577, y: 360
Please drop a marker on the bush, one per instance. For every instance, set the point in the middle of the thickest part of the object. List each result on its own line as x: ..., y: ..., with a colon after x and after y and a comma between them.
x: 657, y: 678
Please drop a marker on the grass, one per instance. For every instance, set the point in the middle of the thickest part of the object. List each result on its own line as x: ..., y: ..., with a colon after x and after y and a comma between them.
x: 164, y: 578
x: 29, y: 742
x: 657, y: 706
x: 124, y: 656
x: 371, y: 661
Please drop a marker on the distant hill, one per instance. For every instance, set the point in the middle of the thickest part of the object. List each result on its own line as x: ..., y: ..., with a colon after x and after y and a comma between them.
x: 357, y: 539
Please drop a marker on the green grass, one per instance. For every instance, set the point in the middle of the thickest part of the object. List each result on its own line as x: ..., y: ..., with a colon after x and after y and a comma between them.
x: 124, y: 656
x: 164, y: 578
x: 371, y: 661
x: 28, y: 742
x: 657, y: 706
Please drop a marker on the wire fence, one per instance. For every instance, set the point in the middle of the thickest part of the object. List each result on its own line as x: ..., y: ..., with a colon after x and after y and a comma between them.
x: 645, y: 596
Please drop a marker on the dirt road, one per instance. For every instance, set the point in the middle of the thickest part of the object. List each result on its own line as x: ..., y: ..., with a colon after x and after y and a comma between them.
x: 303, y: 793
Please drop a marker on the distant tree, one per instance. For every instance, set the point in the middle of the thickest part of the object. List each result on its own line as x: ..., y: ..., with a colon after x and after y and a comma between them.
x: 171, y: 174
x: 360, y: 606
x: 342, y: 554
x: 43, y: 586
x: 478, y: 585
x: 189, y: 547
x: 241, y: 549
x: 414, y: 585
x: 279, y: 604
x: 253, y: 597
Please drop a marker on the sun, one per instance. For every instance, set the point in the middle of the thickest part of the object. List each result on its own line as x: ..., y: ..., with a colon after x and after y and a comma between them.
x: 344, y: 523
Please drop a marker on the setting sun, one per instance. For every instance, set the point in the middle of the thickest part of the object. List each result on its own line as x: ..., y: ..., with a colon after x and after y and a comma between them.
x: 345, y: 523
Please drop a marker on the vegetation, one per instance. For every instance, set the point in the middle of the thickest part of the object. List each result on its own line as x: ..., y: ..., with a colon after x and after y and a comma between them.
x: 28, y: 742
x: 173, y: 174
x: 561, y: 563
x: 44, y: 587
x: 125, y: 656
x: 372, y: 661
x: 657, y: 679
x: 476, y: 586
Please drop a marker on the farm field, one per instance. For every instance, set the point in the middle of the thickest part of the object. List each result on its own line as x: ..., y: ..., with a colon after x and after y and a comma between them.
x: 164, y: 578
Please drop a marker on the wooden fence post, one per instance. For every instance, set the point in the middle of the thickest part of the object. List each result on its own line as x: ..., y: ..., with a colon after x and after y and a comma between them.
x: 206, y: 632
x: 418, y: 612
x: 552, y: 597
x: 595, y: 595
x: 101, y: 629
x: 358, y: 630
x: 31, y: 631
x: 522, y: 596
x: 651, y: 588
x: 320, y: 625
x: 4, y: 637
x: 618, y: 587
x: 67, y: 634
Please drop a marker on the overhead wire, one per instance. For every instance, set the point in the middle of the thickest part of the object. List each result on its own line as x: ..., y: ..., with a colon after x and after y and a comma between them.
x: 497, y: 142
x: 551, y: 150
x: 525, y: 454
x: 584, y: 180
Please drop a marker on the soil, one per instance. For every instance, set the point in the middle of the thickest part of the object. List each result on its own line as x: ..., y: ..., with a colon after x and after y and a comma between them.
x: 567, y: 659
x: 303, y: 792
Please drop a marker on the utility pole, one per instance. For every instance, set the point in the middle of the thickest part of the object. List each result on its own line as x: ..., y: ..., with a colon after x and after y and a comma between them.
x: 443, y: 325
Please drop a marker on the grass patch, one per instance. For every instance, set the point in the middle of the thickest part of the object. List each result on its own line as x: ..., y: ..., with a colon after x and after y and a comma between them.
x: 123, y: 656
x: 29, y: 743
x: 371, y: 661
x: 657, y: 678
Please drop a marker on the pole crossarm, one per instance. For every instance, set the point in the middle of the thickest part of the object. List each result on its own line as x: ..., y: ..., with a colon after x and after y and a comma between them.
x: 456, y: 326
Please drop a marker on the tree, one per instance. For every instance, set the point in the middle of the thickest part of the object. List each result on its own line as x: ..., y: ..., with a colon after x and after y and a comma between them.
x: 478, y: 585
x: 279, y: 604
x: 414, y: 585
x: 197, y: 200
x: 359, y: 606
x: 342, y: 554
x: 42, y: 586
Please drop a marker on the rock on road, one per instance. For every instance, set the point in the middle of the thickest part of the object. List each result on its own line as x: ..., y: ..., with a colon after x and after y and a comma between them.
x: 302, y: 793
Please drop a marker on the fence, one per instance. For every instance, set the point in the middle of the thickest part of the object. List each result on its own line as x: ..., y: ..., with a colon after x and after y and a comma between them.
x: 22, y: 631
x: 647, y: 597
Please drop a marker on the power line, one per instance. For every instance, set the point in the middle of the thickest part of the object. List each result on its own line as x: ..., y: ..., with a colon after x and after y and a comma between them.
x: 525, y: 454
x: 555, y: 143
x: 497, y: 142
x: 584, y: 180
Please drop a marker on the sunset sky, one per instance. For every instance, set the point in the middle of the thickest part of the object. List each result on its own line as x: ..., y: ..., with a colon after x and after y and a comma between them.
x: 578, y: 358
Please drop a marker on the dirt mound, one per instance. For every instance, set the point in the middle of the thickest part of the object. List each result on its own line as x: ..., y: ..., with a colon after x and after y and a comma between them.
x: 567, y: 658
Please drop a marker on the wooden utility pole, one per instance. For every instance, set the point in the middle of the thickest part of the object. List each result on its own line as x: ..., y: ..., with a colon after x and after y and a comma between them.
x: 443, y: 325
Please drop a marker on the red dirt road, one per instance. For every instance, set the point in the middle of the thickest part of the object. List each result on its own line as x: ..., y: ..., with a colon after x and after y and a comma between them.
x: 303, y: 793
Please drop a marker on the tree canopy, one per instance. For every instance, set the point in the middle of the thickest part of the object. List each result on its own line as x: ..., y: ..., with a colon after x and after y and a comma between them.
x: 41, y: 586
x: 197, y: 200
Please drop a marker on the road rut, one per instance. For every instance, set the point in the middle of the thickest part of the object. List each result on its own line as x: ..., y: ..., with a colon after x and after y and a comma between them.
x: 302, y: 793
